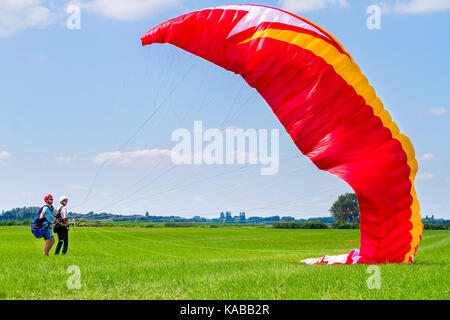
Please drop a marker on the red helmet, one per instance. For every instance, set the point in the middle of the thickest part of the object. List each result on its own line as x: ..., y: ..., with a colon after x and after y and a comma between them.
x: 47, y: 197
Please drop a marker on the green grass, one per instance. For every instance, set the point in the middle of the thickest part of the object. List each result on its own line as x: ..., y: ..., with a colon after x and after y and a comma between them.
x: 212, y: 263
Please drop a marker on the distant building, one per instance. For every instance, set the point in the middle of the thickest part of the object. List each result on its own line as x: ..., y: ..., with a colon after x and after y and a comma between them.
x: 228, y: 216
x: 146, y: 214
x: 199, y: 219
x: 242, y: 216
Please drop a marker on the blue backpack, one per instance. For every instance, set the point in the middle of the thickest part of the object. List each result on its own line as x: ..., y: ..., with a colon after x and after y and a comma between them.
x: 36, y: 227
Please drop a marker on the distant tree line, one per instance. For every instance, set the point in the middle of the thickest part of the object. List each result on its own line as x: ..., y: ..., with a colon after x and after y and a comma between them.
x: 20, y: 214
x: 9, y: 223
x: 438, y: 226
x: 300, y: 225
x: 314, y: 225
x: 345, y: 214
x: 179, y: 224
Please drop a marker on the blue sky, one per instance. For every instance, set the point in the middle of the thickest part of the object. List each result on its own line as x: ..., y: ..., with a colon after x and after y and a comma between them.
x: 72, y: 98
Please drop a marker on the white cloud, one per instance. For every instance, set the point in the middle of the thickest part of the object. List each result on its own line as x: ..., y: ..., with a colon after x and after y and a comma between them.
x: 3, y: 156
x: 420, y: 6
x: 129, y: 10
x: 133, y: 157
x: 309, y: 5
x: 65, y: 160
x: 427, y: 156
x: 18, y: 15
x: 436, y: 111
x: 426, y: 176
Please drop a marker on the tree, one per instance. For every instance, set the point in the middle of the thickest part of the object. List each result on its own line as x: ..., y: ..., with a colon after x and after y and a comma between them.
x: 346, y: 208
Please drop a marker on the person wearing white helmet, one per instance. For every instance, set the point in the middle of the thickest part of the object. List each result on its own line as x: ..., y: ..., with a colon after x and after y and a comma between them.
x: 62, y: 226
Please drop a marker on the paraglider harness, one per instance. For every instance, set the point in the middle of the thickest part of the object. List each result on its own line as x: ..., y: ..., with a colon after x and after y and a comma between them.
x: 60, y: 223
x: 36, y: 227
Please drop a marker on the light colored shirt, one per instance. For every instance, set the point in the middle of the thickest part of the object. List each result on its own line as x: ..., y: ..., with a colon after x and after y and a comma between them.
x: 62, y: 211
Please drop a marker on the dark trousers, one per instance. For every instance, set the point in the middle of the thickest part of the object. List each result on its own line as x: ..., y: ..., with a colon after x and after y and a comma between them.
x: 63, y: 238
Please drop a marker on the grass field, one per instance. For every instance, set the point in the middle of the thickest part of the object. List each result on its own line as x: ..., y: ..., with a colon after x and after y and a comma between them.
x: 212, y: 263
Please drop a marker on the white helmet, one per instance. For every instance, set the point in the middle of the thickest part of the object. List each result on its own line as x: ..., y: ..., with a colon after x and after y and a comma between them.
x: 63, y: 198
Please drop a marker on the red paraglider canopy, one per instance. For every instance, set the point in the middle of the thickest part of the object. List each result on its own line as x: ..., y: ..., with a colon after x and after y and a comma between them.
x: 326, y: 105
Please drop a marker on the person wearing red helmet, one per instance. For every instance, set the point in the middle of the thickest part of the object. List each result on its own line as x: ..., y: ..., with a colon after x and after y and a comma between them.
x: 48, y: 216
